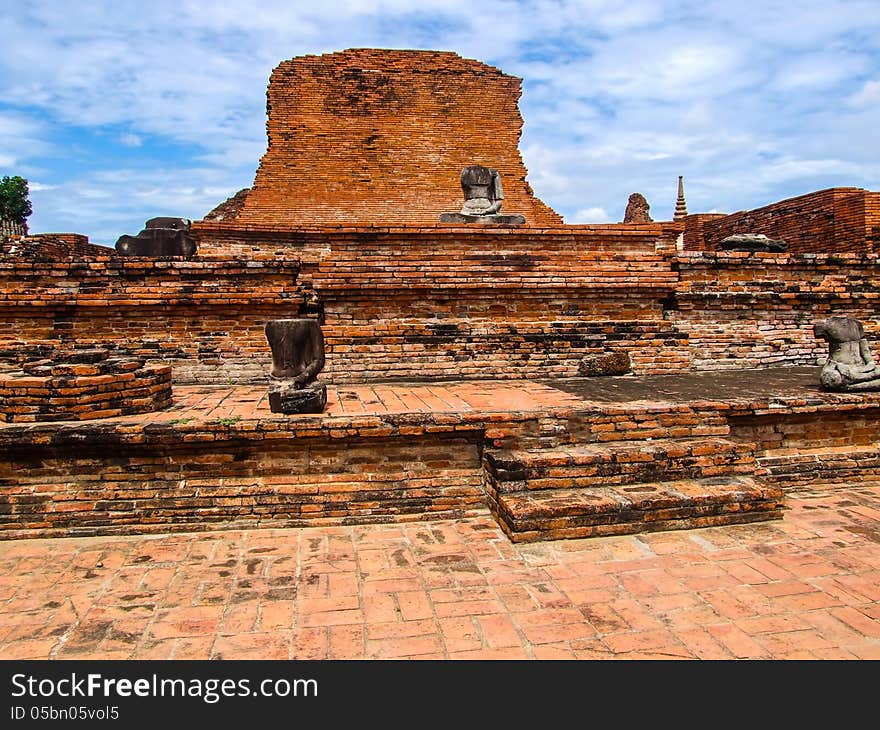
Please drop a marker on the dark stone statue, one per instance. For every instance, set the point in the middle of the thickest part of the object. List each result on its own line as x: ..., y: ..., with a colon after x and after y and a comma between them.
x: 160, y: 237
x: 753, y: 242
x: 482, y: 198
x: 637, y: 210
x: 297, y: 357
x: 850, y: 365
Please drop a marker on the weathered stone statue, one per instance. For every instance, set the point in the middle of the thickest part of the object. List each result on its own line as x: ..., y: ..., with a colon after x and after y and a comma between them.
x: 160, y: 237
x: 297, y: 358
x: 482, y: 198
x: 637, y: 210
x: 753, y: 242
x: 850, y: 365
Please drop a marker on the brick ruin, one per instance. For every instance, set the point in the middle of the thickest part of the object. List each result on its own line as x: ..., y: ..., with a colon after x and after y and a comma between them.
x: 833, y: 220
x: 82, y: 385
x: 374, y: 137
x: 341, y: 223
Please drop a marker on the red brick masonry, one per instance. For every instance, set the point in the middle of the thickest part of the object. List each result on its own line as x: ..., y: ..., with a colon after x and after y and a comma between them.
x: 59, y: 391
x: 396, y: 453
x: 439, y: 302
x: 369, y: 136
x: 836, y: 219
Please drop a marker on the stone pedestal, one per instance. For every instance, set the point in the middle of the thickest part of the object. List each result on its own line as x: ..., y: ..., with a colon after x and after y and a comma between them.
x: 496, y: 219
x: 753, y: 242
x: 162, y: 236
x: 285, y: 397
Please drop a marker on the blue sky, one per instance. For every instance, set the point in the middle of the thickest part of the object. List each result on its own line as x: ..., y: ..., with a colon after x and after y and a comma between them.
x: 120, y: 111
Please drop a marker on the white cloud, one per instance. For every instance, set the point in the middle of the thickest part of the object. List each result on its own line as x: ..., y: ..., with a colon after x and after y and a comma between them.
x: 131, y: 140
x: 590, y: 215
x: 868, y: 95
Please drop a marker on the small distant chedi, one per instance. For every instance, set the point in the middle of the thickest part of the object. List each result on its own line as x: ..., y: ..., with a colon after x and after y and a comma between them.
x: 637, y: 210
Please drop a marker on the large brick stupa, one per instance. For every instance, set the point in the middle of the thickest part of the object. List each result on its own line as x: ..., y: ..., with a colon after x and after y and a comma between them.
x: 380, y: 137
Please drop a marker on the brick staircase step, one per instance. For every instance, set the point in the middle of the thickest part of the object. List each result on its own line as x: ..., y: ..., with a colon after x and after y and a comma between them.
x: 620, y: 510
x: 620, y: 462
x: 796, y: 466
x: 616, y: 422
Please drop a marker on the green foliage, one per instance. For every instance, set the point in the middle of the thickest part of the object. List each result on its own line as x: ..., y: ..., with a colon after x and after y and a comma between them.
x: 14, y: 204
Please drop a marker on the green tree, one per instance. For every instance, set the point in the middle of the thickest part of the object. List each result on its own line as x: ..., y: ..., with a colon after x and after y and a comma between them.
x: 14, y: 204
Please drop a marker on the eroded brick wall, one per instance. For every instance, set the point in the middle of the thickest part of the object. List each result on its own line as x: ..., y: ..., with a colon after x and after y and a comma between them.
x: 52, y: 246
x: 376, y: 136
x: 440, y: 303
x: 521, y: 304
x: 749, y: 310
x: 84, y: 392
x: 196, y: 480
x: 694, y: 230
x: 836, y: 219
x: 206, y: 319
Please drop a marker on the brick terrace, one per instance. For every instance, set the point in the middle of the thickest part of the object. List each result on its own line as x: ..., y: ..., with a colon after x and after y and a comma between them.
x: 653, y: 449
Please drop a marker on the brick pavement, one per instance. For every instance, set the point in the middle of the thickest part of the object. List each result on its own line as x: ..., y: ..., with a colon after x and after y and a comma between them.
x: 806, y: 587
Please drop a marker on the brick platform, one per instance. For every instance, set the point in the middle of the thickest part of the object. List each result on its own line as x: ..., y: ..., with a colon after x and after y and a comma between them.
x: 219, y: 458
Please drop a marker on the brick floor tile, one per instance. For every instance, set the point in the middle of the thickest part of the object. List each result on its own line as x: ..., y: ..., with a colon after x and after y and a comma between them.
x: 28, y: 649
x: 347, y: 642
x: 702, y: 645
x: 639, y: 641
x: 553, y: 651
x: 460, y: 634
x: 858, y: 621
x: 150, y: 649
x: 604, y: 618
x: 192, y: 647
x: 276, y: 615
x: 737, y: 642
x: 467, y: 608
x: 511, y: 653
x: 807, y: 601
x: 405, y: 647
x: 498, y: 631
x: 399, y: 629
x: 772, y: 624
x: 330, y: 618
x: 310, y: 643
x: 807, y: 588
x: 186, y: 621
x: 553, y: 634
x: 414, y: 605
x: 331, y: 603
x: 785, y: 642
x: 261, y: 645
x: 549, y: 617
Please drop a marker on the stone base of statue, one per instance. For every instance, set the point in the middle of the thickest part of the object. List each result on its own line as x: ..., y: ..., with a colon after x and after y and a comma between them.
x: 285, y: 397
x: 847, y: 379
x: 495, y: 219
x: 753, y: 242
x: 160, y: 237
